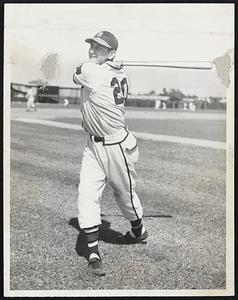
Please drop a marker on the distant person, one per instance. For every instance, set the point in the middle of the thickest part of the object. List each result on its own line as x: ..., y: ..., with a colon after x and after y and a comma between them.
x: 192, y: 106
x: 164, y: 105
x: 66, y: 102
x: 157, y: 104
x: 30, y: 95
x: 185, y: 106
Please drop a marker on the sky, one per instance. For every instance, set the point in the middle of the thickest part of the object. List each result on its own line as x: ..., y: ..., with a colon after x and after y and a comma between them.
x: 146, y: 32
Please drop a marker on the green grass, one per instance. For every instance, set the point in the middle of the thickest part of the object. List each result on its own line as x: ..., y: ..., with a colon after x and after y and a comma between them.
x: 182, y: 189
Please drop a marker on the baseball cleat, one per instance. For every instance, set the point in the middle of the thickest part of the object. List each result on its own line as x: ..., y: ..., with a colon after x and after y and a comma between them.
x: 95, y: 267
x: 129, y: 239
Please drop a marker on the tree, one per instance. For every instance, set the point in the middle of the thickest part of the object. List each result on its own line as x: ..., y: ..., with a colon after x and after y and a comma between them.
x: 192, y: 96
x: 152, y: 92
x: 175, y: 95
x: 39, y: 82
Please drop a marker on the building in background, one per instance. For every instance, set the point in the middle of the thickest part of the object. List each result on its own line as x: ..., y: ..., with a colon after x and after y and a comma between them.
x: 56, y: 94
x: 46, y: 94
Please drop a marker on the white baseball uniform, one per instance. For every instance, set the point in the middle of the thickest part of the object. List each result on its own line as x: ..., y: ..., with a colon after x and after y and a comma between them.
x: 30, y: 99
x: 111, y: 150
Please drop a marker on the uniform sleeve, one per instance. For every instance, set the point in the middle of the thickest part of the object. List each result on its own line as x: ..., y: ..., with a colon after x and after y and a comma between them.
x: 128, y: 84
x: 89, y: 75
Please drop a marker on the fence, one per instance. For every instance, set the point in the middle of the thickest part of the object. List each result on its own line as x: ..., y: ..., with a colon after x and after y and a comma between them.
x: 56, y: 94
x: 47, y: 94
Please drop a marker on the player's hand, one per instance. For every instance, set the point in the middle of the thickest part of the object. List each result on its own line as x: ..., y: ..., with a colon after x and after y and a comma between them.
x: 119, y: 64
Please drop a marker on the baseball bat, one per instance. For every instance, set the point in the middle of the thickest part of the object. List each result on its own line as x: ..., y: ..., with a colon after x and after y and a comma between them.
x: 197, y: 65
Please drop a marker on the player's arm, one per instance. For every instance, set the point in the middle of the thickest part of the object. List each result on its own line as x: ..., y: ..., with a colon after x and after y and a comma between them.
x: 88, y: 74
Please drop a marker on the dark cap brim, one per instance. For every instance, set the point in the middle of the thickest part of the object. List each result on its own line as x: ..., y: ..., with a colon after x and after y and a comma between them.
x: 99, y: 41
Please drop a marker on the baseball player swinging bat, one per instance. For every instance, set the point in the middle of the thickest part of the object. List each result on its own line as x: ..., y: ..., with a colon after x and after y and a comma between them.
x: 111, y: 151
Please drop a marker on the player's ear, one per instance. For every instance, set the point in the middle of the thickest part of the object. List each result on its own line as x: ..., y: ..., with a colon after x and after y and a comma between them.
x: 112, y: 54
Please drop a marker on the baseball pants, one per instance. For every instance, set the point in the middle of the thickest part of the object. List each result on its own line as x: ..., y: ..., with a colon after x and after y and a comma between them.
x: 113, y: 163
x: 30, y: 103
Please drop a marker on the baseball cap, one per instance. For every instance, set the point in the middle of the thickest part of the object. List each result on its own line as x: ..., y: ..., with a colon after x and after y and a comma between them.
x: 105, y: 38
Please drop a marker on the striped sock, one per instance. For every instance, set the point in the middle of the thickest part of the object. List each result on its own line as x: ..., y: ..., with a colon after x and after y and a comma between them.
x: 137, y: 228
x: 92, y: 234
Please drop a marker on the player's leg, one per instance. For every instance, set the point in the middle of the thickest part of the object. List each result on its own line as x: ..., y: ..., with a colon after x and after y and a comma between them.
x: 122, y: 177
x: 91, y: 186
x: 33, y: 105
x: 94, y: 258
x: 28, y: 105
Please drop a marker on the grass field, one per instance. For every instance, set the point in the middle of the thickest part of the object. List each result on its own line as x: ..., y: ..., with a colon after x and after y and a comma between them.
x: 214, y: 130
x: 182, y: 189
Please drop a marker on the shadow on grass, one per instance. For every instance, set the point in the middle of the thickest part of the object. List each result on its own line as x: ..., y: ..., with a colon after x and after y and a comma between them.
x: 106, y: 234
x: 144, y: 216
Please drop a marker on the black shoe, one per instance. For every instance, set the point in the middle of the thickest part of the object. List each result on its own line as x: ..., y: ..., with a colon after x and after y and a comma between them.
x: 129, y: 239
x: 95, y: 266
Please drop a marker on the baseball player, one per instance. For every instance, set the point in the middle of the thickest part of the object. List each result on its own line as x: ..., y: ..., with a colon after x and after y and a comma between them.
x: 30, y: 95
x: 66, y: 102
x: 111, y: 151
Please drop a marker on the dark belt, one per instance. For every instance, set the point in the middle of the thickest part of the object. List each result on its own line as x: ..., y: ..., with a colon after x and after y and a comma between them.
x: 97, y: 139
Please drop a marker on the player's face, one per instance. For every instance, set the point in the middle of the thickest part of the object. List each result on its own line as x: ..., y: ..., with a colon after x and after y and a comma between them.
x: 99, y: 53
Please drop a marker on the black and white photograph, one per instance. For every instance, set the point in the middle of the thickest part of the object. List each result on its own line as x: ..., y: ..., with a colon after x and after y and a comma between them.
x: 118, y: 149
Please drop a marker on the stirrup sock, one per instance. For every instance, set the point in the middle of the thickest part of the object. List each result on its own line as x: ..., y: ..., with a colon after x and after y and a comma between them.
x: 92, y: 235
x: 137, y: 228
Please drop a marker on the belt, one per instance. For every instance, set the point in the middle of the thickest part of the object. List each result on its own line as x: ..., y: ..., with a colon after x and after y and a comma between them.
x: 97, y: 139
x: 111, y: 139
